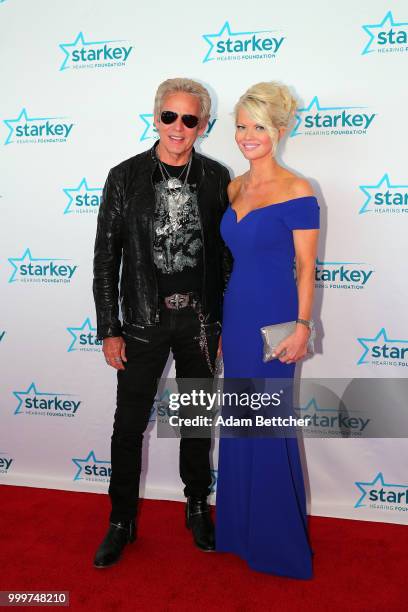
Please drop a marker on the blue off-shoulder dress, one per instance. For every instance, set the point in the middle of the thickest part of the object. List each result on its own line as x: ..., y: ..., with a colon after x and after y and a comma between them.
x: 261, y: 502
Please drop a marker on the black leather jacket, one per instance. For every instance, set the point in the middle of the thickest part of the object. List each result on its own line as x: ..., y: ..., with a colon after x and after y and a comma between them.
x: 124, y: 243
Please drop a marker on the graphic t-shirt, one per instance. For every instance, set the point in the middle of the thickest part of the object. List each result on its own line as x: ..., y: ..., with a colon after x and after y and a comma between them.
x: 177, y: 245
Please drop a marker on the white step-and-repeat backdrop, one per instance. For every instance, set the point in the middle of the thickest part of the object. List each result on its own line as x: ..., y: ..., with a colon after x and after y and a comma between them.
x: 78, y: 82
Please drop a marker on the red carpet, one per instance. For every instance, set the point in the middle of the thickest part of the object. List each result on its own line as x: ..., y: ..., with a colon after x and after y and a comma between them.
x: 48, y: 539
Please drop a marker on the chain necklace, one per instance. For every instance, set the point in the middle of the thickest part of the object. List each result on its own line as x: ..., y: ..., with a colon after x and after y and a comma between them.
x: 174, y: 182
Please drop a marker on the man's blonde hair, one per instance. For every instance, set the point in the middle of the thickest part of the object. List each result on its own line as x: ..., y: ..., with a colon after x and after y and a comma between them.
x: 172, y: 86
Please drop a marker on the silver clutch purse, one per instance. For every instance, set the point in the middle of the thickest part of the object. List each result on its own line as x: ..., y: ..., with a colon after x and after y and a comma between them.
x: 272, y: 335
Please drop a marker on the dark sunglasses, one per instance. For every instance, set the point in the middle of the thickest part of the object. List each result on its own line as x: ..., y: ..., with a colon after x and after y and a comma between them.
x: 190, y: 121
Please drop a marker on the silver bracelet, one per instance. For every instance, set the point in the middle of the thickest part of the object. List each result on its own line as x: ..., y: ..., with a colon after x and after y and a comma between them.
x: 311, y: 327
x: 308, y: 324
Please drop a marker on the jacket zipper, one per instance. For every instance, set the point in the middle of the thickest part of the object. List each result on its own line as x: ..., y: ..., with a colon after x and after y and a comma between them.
x: 203, y: 305
x: 136, y: 337
x: 157, y: 315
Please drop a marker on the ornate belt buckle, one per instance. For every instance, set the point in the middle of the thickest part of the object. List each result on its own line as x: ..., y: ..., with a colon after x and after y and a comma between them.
x: 177, y: 301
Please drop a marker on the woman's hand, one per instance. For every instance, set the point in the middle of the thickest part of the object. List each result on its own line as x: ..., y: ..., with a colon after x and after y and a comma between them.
x: 294, y: 347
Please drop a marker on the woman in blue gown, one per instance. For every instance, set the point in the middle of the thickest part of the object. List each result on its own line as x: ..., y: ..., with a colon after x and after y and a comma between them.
x: 272, y: 221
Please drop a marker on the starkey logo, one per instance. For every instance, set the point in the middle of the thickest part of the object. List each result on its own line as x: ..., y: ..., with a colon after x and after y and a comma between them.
x: 29, y: 269
x: 342, y: 274
x: 227, y: 45
x: 317, y: 120
x: 31, y: 401
x: 5, y: 462
x: 83, y: 338
x: 381, y: 350
x: 92, y: 469
x: 385, y: 197
x: 150, y: 132
x: 82, y: 199
x: 37, y: 130
x: 378, y: 494
x: 160, y: 409
x: 331, y: 421
x: 81, y: 54
x: 387, y: 36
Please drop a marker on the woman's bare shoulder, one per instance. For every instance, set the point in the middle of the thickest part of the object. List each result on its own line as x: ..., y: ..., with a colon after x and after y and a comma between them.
x: 234, y: 187
x: 299, y: 187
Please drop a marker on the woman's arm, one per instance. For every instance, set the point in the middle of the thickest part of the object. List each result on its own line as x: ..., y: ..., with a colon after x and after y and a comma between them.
x: 305, y: 242
x: 295, y: 345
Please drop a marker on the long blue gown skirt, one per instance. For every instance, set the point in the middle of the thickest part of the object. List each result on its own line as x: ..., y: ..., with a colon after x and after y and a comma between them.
x: 261, y: 502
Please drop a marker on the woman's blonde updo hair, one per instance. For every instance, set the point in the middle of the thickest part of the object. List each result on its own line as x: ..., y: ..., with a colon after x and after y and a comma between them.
x: 270, y: 105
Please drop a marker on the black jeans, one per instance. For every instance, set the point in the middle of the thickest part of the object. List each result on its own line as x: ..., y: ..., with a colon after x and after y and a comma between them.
x: 147, y: 351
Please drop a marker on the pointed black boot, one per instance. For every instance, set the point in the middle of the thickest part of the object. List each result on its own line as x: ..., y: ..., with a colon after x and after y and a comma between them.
x: 198, y: 519
x: 118, y: 535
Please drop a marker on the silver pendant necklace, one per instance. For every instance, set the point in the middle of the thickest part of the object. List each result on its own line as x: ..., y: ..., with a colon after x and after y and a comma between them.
x: 174, y: 182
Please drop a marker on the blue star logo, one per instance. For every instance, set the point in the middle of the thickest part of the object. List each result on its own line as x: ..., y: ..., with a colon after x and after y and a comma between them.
x: 371, y: 30
x: 381, y: 334
x: 161, y: 401
x: 27, y: 257
x: 384, y: 182
x: 78, y: 42
x: 313, y: 406
x: 377, y: 479
x: 150, y: 130
x: 163, y: 398
x: 149, y: 127
x: 23, y: 117
x: 225, y: 30
x: 75, y: 332
x: 82, y: 185
x: 315, y: 104
x: 32, y: 390
x: 80, y: 463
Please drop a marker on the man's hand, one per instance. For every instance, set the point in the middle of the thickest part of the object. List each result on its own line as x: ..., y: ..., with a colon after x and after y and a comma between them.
x: 114, y: 350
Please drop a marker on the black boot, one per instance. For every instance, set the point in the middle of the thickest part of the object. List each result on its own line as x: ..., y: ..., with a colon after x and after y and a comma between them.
x: 198, y: 519
x: 118, y: 535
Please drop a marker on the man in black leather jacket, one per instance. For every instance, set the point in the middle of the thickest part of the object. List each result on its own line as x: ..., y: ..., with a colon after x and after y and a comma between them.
x: 158, y: 251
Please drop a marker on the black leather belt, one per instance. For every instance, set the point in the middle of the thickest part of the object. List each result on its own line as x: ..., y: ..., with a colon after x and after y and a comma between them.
x: 176, y: 301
